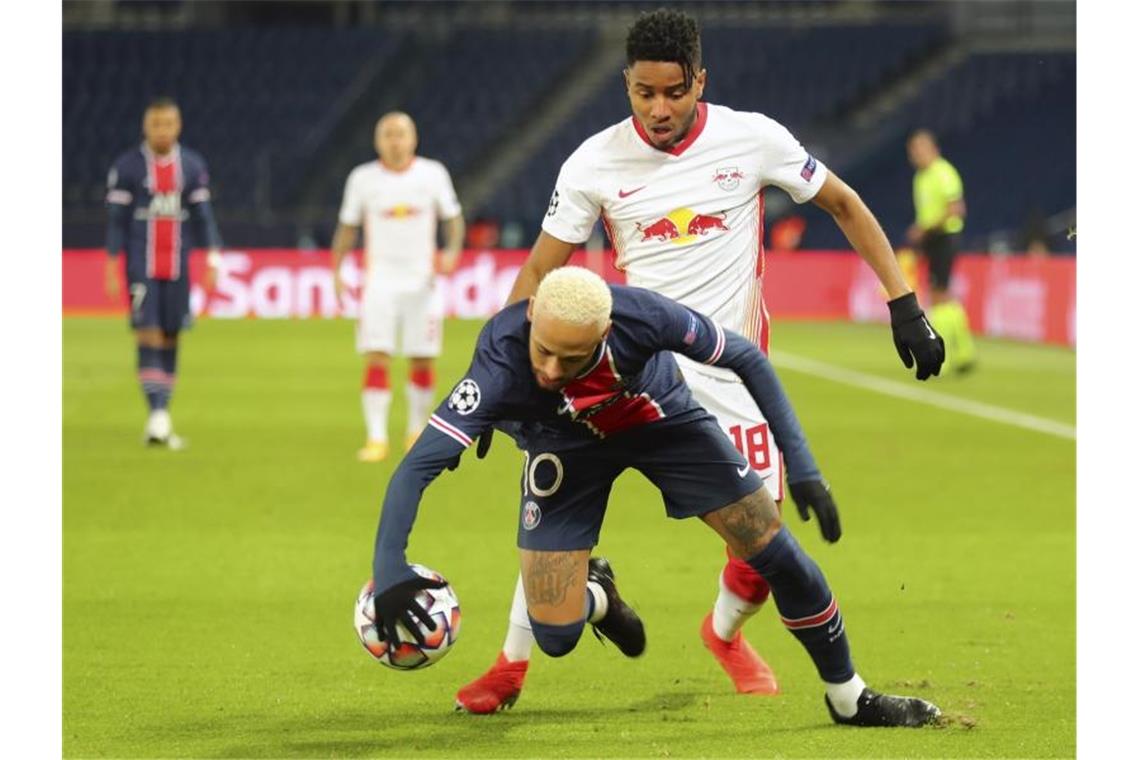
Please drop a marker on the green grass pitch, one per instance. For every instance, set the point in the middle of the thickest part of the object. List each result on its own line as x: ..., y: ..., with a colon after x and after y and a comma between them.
x: 208, y: 593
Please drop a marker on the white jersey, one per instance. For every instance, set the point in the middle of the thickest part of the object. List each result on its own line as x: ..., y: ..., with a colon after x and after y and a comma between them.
x: 399, y: 211
x: 688, y: 222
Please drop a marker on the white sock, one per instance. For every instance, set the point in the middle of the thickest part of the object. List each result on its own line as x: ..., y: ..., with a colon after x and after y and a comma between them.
x: 420, y: 402
x: 376, y: 404
x: 844, y: 697
x: 601, y: 601
x: 520, y: 639
x: 730, y: 612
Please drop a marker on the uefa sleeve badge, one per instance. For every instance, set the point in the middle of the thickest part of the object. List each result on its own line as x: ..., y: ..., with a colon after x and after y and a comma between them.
x: 465, y: 398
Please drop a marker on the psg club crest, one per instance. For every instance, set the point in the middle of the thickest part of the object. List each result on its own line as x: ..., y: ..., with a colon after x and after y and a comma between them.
x: 465, y: 398
x: 531, y: 516
x: 728, y: 177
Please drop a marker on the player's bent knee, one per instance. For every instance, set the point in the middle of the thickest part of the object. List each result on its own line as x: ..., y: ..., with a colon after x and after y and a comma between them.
x: 557, y: 640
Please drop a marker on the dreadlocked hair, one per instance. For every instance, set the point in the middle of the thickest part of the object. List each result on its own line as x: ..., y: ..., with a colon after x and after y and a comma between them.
x: 665, y: 35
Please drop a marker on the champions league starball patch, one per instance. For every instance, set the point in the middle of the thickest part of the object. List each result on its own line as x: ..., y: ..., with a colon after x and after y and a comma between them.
x: 465, y: 398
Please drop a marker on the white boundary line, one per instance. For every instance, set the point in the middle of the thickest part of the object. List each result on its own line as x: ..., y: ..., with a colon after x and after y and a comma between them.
x: 923, y: 396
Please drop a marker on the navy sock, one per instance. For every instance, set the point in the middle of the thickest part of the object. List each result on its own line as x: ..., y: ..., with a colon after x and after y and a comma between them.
x: 153, y: 378
x: 806, y: 604
x: 169, y: 359
x: 557, y: 640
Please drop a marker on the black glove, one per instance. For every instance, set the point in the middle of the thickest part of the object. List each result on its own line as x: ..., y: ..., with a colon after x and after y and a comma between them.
x: 398, y: 604
x: 484, y: 443
x: 816, y: 496
x: 915, y: 339
x: 481, y: 449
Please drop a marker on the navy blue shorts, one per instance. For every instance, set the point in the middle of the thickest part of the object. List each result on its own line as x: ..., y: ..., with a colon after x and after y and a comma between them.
x: 160, y: 303
x: 565, y: 492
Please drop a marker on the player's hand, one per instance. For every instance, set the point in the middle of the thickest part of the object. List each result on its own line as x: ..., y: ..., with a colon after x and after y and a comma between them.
x: 484, y: 443
x: 445, y: 263
x: 111, y: 279
x: 397, y: 604
x: 915, y: 339
x: 338, y: 288
x: 814, y: 495
x: 213, y: 268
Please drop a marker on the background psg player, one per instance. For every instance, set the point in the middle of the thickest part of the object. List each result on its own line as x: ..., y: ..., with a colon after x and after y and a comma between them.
x: 153, y: 192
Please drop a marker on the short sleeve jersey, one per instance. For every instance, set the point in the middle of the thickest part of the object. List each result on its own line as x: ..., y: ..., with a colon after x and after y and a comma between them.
x: 159, y: 191
x: 687, y: 222
x: 399, y: 211
x: 935, y: 187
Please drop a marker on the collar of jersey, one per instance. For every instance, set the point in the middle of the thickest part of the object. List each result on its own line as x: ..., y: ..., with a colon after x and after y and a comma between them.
x: 681, y: 147
x: 172, y: 155
x: 594, y: 364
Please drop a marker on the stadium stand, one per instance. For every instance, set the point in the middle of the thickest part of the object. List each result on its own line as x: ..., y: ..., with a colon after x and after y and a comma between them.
x: 245, y: 93
x: 1007, y: 121
x: 279, y: 110
x: 786, y: 72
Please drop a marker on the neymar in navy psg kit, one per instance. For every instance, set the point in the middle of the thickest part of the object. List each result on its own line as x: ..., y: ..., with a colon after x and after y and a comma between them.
x: 583, y: 378
x: 153, y: 192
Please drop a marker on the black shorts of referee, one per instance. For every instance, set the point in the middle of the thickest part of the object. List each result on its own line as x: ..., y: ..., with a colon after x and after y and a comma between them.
x: 940, y: 248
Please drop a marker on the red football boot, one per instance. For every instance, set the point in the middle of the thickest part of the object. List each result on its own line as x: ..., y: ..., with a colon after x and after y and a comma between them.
x: 748, y: 671
x: 497, y: 689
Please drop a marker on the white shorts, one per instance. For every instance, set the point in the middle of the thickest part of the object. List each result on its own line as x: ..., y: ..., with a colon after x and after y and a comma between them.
x: 725, y: 397
x: 416, y: 316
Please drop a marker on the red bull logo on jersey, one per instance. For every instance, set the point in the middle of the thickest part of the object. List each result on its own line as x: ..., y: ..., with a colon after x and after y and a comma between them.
x: 400, y: 212
x: 728, y: 178
x: 683, y: 226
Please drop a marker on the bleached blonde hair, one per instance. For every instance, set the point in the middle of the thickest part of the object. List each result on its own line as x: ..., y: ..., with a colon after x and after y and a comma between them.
x: 574, y: 295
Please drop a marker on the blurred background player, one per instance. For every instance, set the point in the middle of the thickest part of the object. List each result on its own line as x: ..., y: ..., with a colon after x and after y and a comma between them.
x: 399, y: 200
x: 677, y: 187
x: 939, y: 216
x: 152, y: 191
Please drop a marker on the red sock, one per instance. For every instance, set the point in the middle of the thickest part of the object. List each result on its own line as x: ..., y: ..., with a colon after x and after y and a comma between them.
x: 422, y: 377
x: 376, y: 377
x: 743, y: 580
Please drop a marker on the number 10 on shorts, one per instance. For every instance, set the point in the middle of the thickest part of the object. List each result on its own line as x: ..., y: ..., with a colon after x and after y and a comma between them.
x: 752, y: 443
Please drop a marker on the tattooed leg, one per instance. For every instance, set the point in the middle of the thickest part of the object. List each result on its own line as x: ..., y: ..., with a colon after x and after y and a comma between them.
x: 748, y: 525
x: 555, y: 585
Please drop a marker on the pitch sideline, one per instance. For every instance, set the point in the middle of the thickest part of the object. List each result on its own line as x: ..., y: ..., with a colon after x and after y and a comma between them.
x: 910, y: 392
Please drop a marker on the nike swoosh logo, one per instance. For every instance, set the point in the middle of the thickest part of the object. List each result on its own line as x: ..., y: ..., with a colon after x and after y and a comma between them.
x: 742, y: 471
x: 624, y: 194
x: 834, y: 626
x: 929, y: 329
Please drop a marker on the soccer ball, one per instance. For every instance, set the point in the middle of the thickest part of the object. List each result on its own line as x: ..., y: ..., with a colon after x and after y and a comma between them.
x: 441, y: 604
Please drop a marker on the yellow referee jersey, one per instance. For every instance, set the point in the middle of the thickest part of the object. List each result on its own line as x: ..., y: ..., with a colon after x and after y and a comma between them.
x: 935, y: 188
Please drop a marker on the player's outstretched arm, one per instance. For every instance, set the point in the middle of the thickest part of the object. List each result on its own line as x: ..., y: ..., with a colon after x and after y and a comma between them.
x: 548, y: 254
x: 807, y: 486
x: 432, y: 452
x: 916, y: 341
x: 699, y: 338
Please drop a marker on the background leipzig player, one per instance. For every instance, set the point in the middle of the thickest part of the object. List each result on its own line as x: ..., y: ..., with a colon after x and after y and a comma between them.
x: 399, y: 200
x: 152, y: 192
x: 678, y: 188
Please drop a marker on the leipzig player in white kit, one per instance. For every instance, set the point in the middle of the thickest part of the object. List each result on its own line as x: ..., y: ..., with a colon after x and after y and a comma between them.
x: 678, y: 188
x: 399, y: 200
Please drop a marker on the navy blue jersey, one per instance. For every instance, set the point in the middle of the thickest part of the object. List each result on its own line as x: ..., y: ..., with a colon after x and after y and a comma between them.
x: 633, y: 381
x: 151, y: 199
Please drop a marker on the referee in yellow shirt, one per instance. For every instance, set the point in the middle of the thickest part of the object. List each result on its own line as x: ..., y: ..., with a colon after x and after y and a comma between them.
x: 940, y: 210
